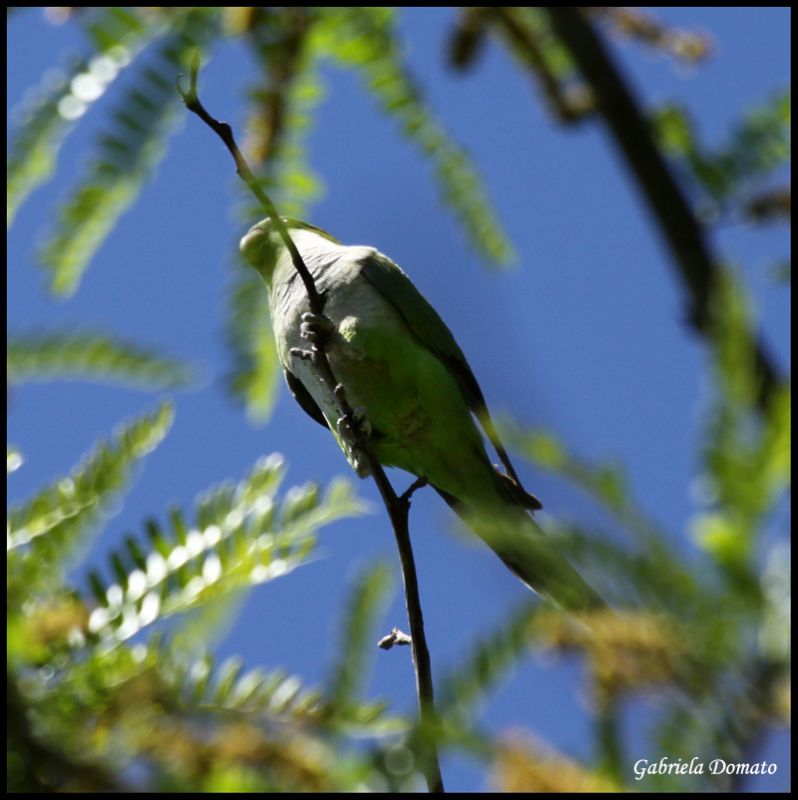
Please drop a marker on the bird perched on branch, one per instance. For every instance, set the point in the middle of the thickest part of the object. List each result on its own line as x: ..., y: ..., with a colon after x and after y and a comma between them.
x: 415, y: 397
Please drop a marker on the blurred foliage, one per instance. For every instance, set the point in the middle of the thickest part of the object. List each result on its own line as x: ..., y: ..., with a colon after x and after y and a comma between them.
x: 48, y: 113
x: 525, y: 32
x: 527, y: 766
x: 110, y: 687
x: 736, y: 178
x: 724, y: 672
x: 126, y: 152
x: 527, y: 35
x: 645, y: 28
x: 95, y: 706
x: 43, y: 531
x: 73, y: 354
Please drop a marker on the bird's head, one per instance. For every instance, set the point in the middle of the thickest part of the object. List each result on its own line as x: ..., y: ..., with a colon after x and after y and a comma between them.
x: 263, y: 244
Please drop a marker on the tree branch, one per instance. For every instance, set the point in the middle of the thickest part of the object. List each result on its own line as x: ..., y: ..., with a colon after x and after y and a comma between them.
x: 225, y: 133
x: 672, y: 212
x: 398, y: 507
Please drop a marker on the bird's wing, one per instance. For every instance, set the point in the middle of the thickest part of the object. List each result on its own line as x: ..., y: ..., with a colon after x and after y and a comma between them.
x: 423, y: 321
x: 304, y: 398
x: 431, y: 331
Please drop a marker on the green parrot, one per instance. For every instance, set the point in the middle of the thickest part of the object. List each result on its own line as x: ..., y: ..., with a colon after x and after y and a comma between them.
x: 410, y: 385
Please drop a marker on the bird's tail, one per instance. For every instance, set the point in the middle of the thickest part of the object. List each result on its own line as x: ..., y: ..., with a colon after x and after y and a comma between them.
x: 506, y: 526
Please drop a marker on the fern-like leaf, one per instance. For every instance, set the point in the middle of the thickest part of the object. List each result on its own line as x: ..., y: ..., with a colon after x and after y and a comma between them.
x: 287, y: 90
x: 364, y: 38
x: 125, y: 155
x: 366, y: 601
x: 202, y: 686
x: 89, y: 356
x: 49, y: 113
x: 44, y: 530
x: 243, y: 535
x: 488, y: 661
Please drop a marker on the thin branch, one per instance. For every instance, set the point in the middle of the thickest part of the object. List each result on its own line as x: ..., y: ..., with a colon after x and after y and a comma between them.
x: 670, y: 207
x: 398, y: 508
x: 225, y: 133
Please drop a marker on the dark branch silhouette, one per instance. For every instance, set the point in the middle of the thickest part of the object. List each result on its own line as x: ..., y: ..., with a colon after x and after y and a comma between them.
x: 684, y: 234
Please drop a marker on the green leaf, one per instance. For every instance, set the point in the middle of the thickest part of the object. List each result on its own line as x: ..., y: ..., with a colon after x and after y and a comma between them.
x: 724, y: 540
x: 366, y: 602
x: 45, y: 529
x: 64, y: 96
x: 674, y: 130
x: 243, y: 535
x: 756, y: 147
x: 364, y: 38
x: 124, y: 157
x: 746, y: 459
x: 89, y: 356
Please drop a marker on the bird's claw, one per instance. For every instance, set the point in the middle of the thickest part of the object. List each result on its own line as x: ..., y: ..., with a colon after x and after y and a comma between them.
x: 361, y: 422
x: 316, y: 328
x: 353, y: 429
x: 298, y: 352
x: 352, y: 426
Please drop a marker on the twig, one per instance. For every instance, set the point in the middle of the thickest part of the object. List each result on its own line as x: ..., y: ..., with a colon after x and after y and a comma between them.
x: 398, y: 508
x: 225, y: 133
x: 671, y: 209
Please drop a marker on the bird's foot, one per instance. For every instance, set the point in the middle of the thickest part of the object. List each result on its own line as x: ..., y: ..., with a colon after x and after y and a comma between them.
x: 316, y: 328
x: 360, y: 422
x: 354, y: 429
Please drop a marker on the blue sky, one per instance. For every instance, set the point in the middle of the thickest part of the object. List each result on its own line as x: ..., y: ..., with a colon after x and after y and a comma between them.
x: 584, y: 336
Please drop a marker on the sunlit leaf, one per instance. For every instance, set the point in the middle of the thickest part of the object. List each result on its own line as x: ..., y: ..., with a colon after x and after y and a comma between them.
x: 46, y: 528
x: 13, y: 459
x: 125, y: 156
x: 48, y: 113
x: 243, y: 535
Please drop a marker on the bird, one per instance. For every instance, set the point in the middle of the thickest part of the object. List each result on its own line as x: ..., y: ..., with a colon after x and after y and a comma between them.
x: 414, y: 394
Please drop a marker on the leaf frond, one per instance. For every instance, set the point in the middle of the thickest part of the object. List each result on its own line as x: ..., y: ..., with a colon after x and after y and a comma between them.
x: 242, y: 535
x: 46, y: 528
x: 124, y: 157
x: 366, y: 601
x: 66, y: 95
x: 90, y: 356
x: 364, y: 39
